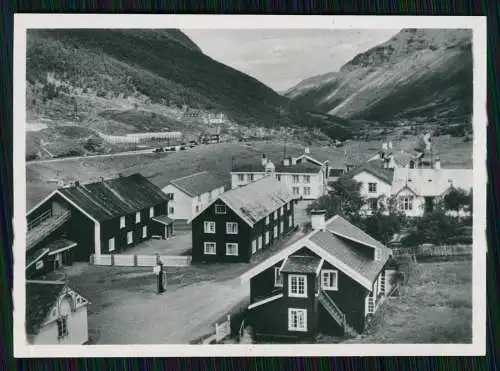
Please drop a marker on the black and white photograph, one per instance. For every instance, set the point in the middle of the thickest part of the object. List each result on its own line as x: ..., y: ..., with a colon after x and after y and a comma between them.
x: 237, y: 185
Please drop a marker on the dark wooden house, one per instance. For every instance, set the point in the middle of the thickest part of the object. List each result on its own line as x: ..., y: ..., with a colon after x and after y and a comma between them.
x: 330, y: 281
x: 243, y: 221
x: 108, y: 216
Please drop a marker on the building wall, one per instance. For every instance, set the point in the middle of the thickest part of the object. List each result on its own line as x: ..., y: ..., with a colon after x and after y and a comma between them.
x: 181, y: 204
x: 418, y: 203
x: 350, y: 298
x: 316, y: 183
x: 262, y: 285
x: 199, y: 203
x: 383, y: 188
x: 77, y: 330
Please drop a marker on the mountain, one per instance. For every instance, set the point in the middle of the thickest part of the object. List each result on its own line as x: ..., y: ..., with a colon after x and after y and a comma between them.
x: 419, y: 75
x: 119, y: 81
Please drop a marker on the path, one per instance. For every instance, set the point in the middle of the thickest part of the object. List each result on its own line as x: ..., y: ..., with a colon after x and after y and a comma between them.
x: 117, y: 154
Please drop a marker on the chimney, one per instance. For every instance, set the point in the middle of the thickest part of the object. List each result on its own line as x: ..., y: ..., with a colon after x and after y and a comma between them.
x: 306, y: 150
x: 437, y: 163
x: 318, y: 219
x: 263, y: 160
x: 102, y: 179
x: 77, y: 183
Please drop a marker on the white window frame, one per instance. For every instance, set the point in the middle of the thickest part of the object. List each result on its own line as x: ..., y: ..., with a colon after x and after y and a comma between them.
x: 406, y: 203
x: 328, y: 273
x: 295, y: 191
x: 289, y: 221
x: 282, y: 227
x: 299, y: 313
x: 259, y: 243
x: 250, y: 177
x: 278, y: 277
x: 130, y: 237
x: 376, y: 254
x: 151, y: 211
x: 266, y: 240
x: 111, y: 244
x: 63, y: 320
x: 231, y: 228
x: 207, y: 227
x: 372, y: 187
x: 295, y: 179
x: 373, y: 202
x: 254, y: 246
x: 307, y: 191
x: 209, y: 252
x: 241, y: 177
x: 275, y: 214
x: 230, y: 245
x: 144, y: 231
x: 122, y: 222
x: 298, y: 278
x: 39, y: 265
x: 267, y: 220
x: 219, y: 208
x: 137, y: 217
x: 307, y: 179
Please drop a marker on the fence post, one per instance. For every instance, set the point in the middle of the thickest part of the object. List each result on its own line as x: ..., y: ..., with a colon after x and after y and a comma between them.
x: 135, y: 260
x: 112, y: 258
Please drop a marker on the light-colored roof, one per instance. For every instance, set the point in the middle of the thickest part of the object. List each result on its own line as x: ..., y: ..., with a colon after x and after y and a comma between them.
x: 339, y: 244
x: 258, y: 199
x: 431, y: 182
x: 199, y: 183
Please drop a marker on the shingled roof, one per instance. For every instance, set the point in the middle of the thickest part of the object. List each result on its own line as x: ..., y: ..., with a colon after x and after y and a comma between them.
x: 111, y: 198
x: 198, y: 183
x: 40, y: 298
x: 258, y: 199
x: 375, y: 168
x: 257, y: 167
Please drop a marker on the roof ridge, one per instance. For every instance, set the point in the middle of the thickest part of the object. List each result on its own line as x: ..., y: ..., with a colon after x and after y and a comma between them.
x: 190, y: 175
x: 47, y: 282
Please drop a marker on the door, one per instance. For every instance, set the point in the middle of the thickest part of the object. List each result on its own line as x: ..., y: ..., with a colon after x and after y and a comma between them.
x: 429, y: 204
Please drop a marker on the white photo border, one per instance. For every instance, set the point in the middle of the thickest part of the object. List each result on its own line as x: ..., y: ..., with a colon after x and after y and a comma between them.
x: 23, y: 22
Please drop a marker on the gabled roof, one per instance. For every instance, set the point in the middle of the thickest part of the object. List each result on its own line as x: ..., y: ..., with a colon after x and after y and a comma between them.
x: 257, y: 167
x: 111, y: 198
x: 301, y: 264
x: 40, y: 298
x: 197, y: 184
x: 375, y: 168
x: 258, y: 199
x: 338, y: 245
x: 431, y: 182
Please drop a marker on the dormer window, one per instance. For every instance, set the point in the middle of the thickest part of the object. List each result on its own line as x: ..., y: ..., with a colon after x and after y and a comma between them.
x: 377, y: 253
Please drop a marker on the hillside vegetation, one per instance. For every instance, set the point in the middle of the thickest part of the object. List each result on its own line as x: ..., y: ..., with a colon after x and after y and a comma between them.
x: 86, y: 77
x: 418, y: 76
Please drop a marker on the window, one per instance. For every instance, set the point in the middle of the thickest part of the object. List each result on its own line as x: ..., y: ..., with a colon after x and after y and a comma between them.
x: 144, y: 231
x: 267, y: 238
x: 232, y: 249
x: 197, y: 209
x: 220, y: 209
x: 295, y: 191
x: 290, y: 221
x: 275, y: 231
x: 111, y: 244
x: 199, y: 198
x: 130, y: 237
x: 297, y: 286
x: 231, y: 228
x: 209, y: 227
x: 297, y: 319
x: 39, y: 265
x: 275, y: 214
x: 377, y: 254
x: 170, y: 196
x: 62, y: 327
x: 122, y: 222
x: 373, y: 204
x: 151, y: 211
x: 329, y: 280
x: 170, y: 210
x: 307, y: 179
x: 372, y: 187
x: 282, y: 229
x: 209, y: 248
x: 412, y: 164
x: 406, y: 203
x: 254, y: 246
x: 295, y: 178
x: 259, y: 243
x: 267, y: 220
x: 307, y: 191
x: 241, y: 177
x: 282, y: 210
x: 250, y: 177
x: 278, y: 278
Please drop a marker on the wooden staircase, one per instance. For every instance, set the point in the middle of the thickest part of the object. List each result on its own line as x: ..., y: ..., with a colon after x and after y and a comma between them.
x: 336, y: 313
x: 38, y: 231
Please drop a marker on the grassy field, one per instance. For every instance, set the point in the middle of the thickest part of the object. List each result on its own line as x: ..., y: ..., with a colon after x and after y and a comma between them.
x: 162, y: 167
x: 435, y: 306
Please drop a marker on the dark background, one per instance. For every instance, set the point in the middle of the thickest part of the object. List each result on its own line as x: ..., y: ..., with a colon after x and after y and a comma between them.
x: 491, y: 8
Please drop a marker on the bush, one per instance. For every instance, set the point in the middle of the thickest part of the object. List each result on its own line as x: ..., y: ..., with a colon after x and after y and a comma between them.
x: 457, y: 240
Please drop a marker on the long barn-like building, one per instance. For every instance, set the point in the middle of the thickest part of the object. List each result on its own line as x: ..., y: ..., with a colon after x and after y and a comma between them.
x: 108, y: 216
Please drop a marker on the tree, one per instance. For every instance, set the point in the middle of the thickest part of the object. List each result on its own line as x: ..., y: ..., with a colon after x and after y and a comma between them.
x: 457, y: 199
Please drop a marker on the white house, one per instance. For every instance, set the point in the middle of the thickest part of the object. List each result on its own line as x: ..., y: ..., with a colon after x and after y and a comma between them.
x: 417, y: 190
x: 55, y: 314
x: 191, y: 194
x: 305, y: 180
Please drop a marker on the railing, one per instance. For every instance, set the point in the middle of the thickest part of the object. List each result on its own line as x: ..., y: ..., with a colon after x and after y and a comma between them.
x: 39, y: 219
x: 274, y: 292
x: 371, y: 304
x: 41, y: 230
x: 124, y: 260
x: 382, y: 283
x: 336, y: 313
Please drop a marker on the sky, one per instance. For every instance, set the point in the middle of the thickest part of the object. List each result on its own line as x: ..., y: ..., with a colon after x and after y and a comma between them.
x: 282, y: 58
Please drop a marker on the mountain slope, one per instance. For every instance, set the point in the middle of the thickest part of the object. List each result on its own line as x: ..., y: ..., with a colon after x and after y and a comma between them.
x: 82, y: 73
x: 417, y: 74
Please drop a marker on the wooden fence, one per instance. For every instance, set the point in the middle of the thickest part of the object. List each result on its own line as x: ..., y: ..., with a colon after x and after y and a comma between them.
x: 433, y: 251
x: 123, y: 260
x: 222, y: 331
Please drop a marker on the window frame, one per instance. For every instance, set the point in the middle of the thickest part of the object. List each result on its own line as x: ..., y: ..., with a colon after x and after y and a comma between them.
x: 295, y: 179
x: 209, y: 230
x: 234, y: 224
x: 328, y: 273
x: 122, y: 222
x: 241, y: 177
x: 151, y: 211
x: 62, y: 327
x: 298, y: 278
x: 218, y: 207
x: 130, y: 240
x: 275, y: 231
x: 112, y: 239
x: 137, y: 217
x: 266, y: 238
x: 232, y: 244
x: 306, y: 179
x: 296, y: 191
x: 144, y: 231
x: 372, y: 189
x: 254, y: 246
x: 307, y: 191
x: 278, y: 277
x: 207, y: 243
x: 267, y: 220
x: 299, y: 313
x: 39, y: 265
x: 373, y: 202
x: 259, y: 243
